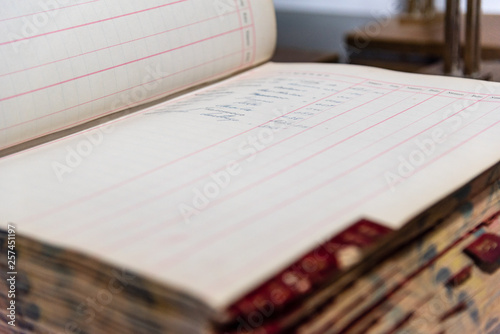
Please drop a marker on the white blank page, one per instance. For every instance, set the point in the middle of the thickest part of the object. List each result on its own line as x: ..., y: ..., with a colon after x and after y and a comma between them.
x: 216, y: 191
x: 65, y: 63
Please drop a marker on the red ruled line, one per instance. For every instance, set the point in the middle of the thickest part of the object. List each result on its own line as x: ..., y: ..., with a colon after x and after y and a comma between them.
x: 90, y: 23
x: 249, y: 187
x: 293, y: 241
x: 112, y: 122
x: 176, y: 188
x: 280, y: 172
x: 372, y: 143
x: 254, y: 54
x: 387, y: 187
x: 262, y: 214
x: 119, y: 44
x: 407, y: 85
x: 48, y: 10
x: 160, y: 167
x: 120, y: 65
x: 242, y: 37
x: 111, y: 94
x: 290, y: 242
x: 164, y: 93
x: 204, y: 176
x: 307, y: 191
x: 327, y: 167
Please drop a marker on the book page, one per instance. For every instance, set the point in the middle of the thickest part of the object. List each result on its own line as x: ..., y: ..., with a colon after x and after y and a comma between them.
x: 215, y: 191
x: 68, y: 62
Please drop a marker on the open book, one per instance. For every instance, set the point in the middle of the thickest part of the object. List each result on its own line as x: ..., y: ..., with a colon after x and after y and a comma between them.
x: 155, y: 165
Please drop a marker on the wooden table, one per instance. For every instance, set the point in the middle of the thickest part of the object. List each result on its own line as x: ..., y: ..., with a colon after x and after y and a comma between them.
x: 420, y: 37
x: 296, y: 55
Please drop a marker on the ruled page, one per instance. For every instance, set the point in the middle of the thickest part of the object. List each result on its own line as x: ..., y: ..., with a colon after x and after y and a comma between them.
x: 67, y: 62
x: 215, y: 191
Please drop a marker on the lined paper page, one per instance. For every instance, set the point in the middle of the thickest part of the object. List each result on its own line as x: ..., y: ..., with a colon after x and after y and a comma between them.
x: 215, y: 191
x: 67, y: 62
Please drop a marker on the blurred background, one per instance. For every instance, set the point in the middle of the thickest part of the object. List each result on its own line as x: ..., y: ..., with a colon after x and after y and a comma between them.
x: 395, y: 34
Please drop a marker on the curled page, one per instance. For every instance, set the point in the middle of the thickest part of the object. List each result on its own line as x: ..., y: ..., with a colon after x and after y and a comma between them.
x: 67, y: 62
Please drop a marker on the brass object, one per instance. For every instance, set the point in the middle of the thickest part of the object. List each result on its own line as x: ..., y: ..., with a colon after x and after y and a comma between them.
x: 472, y: 52
x: 451, y: 51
